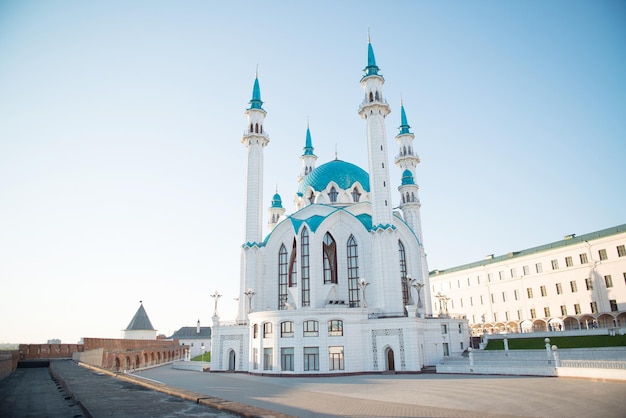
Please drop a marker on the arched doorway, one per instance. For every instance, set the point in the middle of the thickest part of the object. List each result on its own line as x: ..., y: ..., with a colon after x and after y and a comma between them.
x: 231, y: 360
x: 391, y: 365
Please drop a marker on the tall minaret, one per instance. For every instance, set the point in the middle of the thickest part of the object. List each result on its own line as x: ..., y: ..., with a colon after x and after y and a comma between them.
x: 254, y: 139
x: 407, y: 160
x: 308, y: 157
x: 374, y: 109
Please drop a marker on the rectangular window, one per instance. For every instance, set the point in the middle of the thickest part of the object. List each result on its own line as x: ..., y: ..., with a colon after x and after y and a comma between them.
x: 539, y: 268
x: 335, y: 358
x: 588, y: 284
x: 543, y: 291
x: 286, y: 329
x: 267, y: 359
x: 255, y: 358
x: 481, y: 300
x: 503, y: 296
x: 477, y: 279
x: 267, y: 330
x: 461, y: 300
x: 563, y: 310
x: 335, y: 328
x: 489, y: 277
x: 446, y: 350
x: 513, y: 273
x: 621, y: 250
x: 533, y: 314
x: 444, y: 328
x: 507, y: 316
x: 546, y: 312
x: 555, y: 264
x: 583, y: 258
x: 255, y: 331
x: 472, y: 298
x: 286, y: 359
x: 608, y: 281
x: 573, y: 286
x: 501, y: 275
x: 602, y: 254
x: 559, y: 289
x: 495, y: 317
x: 613, y: 304
x: 462, y: 348
x: 526, y: 270
x: 529, y: 292
x: 310, y: 329
x: 519, y: 314
x: 594, y: 307
x: 569, y: 262
x: 516, y: 294
x: 311, y: 358
x: 577, y: 309
x: 493, y: 299
x: 460, y: 328
x: 468, y: 281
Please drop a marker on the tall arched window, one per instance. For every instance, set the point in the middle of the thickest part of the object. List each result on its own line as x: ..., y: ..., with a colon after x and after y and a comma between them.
x: 405, y: 286
x: 356, y: 196
x: 304, y: 266
x: 282, y: 277
x: 332, y: 195
x: 353, y: 272
x: 293, y: 267
x: 329, y: 250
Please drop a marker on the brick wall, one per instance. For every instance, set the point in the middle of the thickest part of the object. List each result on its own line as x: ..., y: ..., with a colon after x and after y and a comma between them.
x: 48, y: 351
x: 8, y: 362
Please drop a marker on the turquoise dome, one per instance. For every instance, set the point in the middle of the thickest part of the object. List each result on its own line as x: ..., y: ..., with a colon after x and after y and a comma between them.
x: 342, y: 173
x: 277, y: 202
x: 407, y: 178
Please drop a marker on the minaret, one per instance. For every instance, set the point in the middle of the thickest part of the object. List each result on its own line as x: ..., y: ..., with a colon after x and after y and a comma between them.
x: 275, y: 211
x: 374, y: 109
x: 254, y: 139
x: 308, y: 157
x: 407, y: 160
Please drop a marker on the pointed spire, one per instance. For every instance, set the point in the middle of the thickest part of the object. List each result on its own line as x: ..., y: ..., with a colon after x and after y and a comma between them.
x: 372, y: 68
x: 277, y: 202
x: 256, y: 102
x: 308, y: 146
x: 404, y: 125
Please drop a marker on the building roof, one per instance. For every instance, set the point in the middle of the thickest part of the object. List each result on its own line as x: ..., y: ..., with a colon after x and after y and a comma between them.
x: 344, y: 174
x: 140, y: 321
x: 568, y: 240
x: 191, y: 332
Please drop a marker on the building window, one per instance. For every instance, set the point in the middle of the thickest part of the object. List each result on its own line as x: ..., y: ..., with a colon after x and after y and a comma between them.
x: 621, y: 250
x: 335, y: 358
x: 489, y: 277
x: 477, y: 279
x: 267, y: 359
x: 282, y: 277
x: 446, y: 349
x: 293, y: 266
x: 332, y: 195
x: 329, y: 250
x: 555, y: 264
x: 568, y: 262
x: 573, y: 286
x: 543, y: 291
x: 503, y: 296
x: 444, y: 328
x: 481, y: 300
x: 594, y: 307
x: 526, y: 270
x: 608, y: 281
x: 539, y: 268
x: 529, y: 292
x: 255, y: 358
x: 613, y: 304
x: 501, y: 275
x: 602, y: 254
x: 460, y: 328
x: 516, y: 294
x: 472, y: 298
x: 583, y: 258
x: 356, y: 196
x: 304, y: 266
x: 563, y: 310
x: 507, y: 316
x: 559, y: 289
x: 286, y: 329
x: 533, y: 314
x: 403, y: 273
x: 588, y: 283
x: 286, y: 359
x: 495, y: 317
x: 493, y: 299
x: 577, y: 309
x: 311, y: 358
x: 513, y: 273
x: 255, y: 331
x: 519, y: 314
x: 310, y: 329
x: 267, y: 330
x: 468, y: 281
x: 335, y: 328
x: 546, y: 312
x: 353, y: 273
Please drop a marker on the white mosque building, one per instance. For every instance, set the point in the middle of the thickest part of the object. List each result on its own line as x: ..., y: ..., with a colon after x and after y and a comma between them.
x: 341, y: 285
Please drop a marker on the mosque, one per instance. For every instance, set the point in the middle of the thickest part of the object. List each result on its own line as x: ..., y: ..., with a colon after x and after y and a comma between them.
x: 341, y: 285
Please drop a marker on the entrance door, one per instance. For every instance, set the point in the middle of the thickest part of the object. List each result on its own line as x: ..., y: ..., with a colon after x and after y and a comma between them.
x: 231, y: 360
x: 390, y: 360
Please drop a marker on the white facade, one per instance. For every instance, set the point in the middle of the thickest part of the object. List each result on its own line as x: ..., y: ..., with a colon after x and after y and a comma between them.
x: 341, y: 285
x: 578, y: 282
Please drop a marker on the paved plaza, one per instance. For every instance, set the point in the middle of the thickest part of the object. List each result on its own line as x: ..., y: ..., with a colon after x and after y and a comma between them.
x: 419, y: 395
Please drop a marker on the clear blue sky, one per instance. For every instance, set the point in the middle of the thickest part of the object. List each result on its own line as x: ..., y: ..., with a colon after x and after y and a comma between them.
x: 122, y: 171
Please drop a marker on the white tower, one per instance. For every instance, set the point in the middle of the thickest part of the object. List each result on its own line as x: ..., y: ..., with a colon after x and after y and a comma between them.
x: 275, y: 211
x: 308, y: 157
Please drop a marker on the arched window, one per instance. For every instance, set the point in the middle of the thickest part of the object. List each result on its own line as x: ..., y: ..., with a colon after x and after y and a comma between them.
x: 371, y: 97
x: 405, y: 286
x: 255, y: 331
x: 282, y: 277
x: 353, y: 272
x: 329, y: 250
x: 293, y: 268
x: 376, y: 96
x: 311, y: 197
x: 335, y: 328
x: 304, y: 266
x: 310, y: 329
x: 256, y: 128
x: 333, y: 195
x: 251, y: 128
x: 356, y: 196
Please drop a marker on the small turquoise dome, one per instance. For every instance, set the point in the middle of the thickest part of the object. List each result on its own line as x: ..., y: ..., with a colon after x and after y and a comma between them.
x: 277, y: 202
x: 407, y: 178
x: 342, y: 173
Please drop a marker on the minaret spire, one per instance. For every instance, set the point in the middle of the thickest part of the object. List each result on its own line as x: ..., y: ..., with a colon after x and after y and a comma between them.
x: 308, y: 157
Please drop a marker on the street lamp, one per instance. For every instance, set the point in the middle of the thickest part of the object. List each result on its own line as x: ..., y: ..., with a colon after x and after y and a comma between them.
x: 202, y: 348
x: 363, y: 284
x: 250, y: 293
x: 216, y: 297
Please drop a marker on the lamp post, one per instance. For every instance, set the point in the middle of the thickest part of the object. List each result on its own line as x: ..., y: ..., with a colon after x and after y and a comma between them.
x: 202, y: 348
x: 418, y: 286
x: 250, y: 293
x: 216, y: 297
x: 363, y: 284
x: 409, y: 282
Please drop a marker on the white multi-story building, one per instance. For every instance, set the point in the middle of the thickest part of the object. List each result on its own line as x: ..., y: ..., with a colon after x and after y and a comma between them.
x: 576, y: 283
x: 341, y: 285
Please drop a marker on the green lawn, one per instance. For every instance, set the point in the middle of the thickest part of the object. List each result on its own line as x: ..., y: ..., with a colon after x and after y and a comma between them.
x: 206, y: 357
x: 561, y: 342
